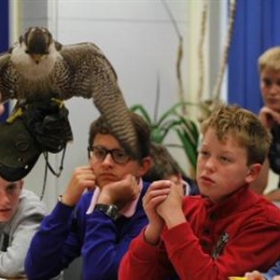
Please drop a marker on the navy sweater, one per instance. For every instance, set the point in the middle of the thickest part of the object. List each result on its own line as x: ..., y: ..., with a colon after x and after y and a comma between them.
x: 69, y: 232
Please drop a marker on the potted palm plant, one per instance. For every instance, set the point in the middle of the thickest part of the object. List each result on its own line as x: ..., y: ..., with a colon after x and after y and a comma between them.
x: 173, y: 121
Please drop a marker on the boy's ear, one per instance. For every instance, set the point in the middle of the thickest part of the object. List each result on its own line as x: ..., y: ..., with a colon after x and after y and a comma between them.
x: 145, y: 166
x: 253, y: 172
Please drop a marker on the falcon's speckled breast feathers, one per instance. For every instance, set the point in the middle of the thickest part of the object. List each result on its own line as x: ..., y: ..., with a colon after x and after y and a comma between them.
x: 37, y: 66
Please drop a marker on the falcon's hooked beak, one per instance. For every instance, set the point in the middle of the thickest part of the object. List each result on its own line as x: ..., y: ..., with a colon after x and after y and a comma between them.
x: 38, y: 41
x: 36, y: 57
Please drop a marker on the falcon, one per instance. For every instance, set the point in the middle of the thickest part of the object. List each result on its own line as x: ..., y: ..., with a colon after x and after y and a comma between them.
x: 37, y: 67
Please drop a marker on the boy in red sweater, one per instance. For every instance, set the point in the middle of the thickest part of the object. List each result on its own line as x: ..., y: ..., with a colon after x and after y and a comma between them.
x: 225, y: 231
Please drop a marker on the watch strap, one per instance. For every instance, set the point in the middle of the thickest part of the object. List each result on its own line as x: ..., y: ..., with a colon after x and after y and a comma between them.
x: 110, y: 210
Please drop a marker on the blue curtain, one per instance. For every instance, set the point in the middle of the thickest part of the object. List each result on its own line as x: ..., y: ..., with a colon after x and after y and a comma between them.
x: 4, y: 37
x: 256, y: 29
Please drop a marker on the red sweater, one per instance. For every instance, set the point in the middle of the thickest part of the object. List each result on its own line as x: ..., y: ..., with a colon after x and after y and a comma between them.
x: 217, y: 241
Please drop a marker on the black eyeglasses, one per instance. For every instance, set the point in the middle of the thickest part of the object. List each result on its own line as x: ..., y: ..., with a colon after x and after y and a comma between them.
x: 99, y: 153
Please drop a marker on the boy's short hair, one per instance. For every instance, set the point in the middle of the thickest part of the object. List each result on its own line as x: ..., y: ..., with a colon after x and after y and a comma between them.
x: 270, y: 59
x: 164, y: 165
x: 242, y: 125
x: 99, y: 126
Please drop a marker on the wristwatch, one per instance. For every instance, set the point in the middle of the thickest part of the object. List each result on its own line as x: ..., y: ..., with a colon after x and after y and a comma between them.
x: 111, y: 210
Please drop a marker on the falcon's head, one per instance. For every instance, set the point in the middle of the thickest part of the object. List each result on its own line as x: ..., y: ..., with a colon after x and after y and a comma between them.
x: 37, y: 41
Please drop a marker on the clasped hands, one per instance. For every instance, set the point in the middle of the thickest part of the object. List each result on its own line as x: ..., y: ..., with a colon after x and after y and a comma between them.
x: 163, y: 206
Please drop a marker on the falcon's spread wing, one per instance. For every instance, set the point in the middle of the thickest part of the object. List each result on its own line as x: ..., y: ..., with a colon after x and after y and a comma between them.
x: 6, y: 78
x: 38, y: 66
x: 91, y: 75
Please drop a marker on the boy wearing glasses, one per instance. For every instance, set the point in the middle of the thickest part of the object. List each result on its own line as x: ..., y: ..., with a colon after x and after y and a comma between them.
x: 100, y: 211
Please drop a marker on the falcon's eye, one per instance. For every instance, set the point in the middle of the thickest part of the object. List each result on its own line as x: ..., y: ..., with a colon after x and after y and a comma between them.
x: 27, y: 51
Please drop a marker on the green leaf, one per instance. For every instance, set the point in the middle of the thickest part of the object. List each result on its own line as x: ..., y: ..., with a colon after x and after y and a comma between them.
x: 143, y: 112
x: 172, y: 120
x: 172, y: 110
x: 190, y: 151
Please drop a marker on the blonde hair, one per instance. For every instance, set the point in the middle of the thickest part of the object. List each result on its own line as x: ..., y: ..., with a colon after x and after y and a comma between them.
x: 270, y: 59
x: 242, y: 125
